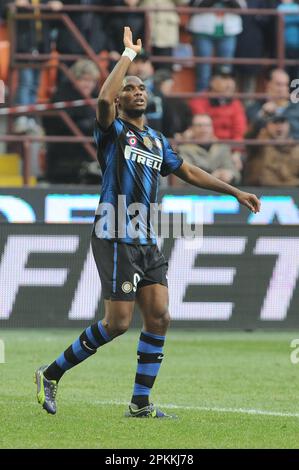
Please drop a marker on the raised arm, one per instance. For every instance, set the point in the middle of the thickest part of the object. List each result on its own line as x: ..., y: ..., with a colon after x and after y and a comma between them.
x: 201, y: 179
x: 113, y: 83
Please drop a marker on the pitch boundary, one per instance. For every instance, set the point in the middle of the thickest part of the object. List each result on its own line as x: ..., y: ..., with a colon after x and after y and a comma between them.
x: 214, y: 409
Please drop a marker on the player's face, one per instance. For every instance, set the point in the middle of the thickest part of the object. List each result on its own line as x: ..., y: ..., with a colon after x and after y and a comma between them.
x: 133, y: 97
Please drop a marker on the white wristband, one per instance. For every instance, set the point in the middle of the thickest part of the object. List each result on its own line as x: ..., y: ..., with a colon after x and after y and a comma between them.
x: 129, y: 53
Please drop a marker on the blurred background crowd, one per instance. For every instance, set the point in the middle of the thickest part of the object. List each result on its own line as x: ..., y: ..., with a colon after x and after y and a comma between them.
x: 207, y: 108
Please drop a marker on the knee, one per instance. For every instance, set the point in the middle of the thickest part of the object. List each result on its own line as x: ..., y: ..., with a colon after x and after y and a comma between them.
x: 162, y: 319
x: 165, y: 319
x: 118, y: 324
x: 120, y: 328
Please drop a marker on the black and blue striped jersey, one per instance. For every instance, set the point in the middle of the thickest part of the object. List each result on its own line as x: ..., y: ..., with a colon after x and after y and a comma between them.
x: 131, y: 161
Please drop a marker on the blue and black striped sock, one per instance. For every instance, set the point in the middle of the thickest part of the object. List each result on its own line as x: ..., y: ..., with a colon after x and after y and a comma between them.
x: 150, y: 355
x: 84, y: 346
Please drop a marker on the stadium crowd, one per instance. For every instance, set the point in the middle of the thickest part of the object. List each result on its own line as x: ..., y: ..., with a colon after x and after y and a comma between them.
x: 199, y: 126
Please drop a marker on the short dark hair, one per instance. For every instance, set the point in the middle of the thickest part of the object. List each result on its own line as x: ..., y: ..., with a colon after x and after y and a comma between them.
x: 276, y: 118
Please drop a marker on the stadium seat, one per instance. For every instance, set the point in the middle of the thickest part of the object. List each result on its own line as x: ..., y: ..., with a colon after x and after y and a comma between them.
x: 184, y: 79
x: 48, y: 79
x: 4, y: 52
x: 10, y: 167
x: 4, y: 60
x: 3, y: 32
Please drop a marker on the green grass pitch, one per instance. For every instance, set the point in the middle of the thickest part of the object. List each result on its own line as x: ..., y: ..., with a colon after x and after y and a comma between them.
x: 230, y: 390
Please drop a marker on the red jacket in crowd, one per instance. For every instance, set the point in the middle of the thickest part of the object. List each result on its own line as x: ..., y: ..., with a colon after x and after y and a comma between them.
x: 229, y: 118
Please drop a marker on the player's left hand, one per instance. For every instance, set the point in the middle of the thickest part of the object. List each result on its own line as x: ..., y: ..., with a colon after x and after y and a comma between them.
x: 250, y: 201
x: 128, y: 40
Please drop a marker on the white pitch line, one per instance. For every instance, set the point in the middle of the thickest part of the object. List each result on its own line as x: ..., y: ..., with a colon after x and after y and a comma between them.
x: 210, y: 408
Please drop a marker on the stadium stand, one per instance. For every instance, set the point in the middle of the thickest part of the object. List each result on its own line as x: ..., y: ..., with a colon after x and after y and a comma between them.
x: 66, y: 26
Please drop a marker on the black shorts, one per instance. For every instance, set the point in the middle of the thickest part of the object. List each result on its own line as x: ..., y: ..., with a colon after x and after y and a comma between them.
x: 124, y: 268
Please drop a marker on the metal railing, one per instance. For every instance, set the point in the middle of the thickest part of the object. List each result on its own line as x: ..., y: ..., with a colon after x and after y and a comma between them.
x: 26, y: 141
x: 40, y: 60
x: 63, y: 15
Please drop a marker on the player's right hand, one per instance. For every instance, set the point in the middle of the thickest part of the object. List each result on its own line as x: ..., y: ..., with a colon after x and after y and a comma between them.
x: 128, y: 40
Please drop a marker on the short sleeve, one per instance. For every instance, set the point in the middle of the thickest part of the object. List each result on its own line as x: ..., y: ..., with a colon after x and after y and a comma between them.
x: 99, y: 133
x: 171, y: 160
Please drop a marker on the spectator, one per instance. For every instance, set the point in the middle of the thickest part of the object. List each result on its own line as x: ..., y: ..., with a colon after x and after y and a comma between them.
x: 116, y: 23
x: 176, y: 114
x: 270, y: 31
x: 4, y: 46
x: 3, y: 10
x: 169, y: 115
x: 209, y: 155
x: 278, y: 102
x: 90, y: 24
x: 143, y: 68
x: 65, y: 162
x: 33, y: 37
x: 274, y: 164
x: 164, y: 27
x: 253, y: 27
x: 211, y: 31
x: 291, y: 34
x: 227, y: 113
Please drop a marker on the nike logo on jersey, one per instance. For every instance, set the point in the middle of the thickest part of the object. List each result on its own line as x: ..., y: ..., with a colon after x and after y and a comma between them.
x: 87, y: 347
x: 143, y: 157
x: 130, y: 134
